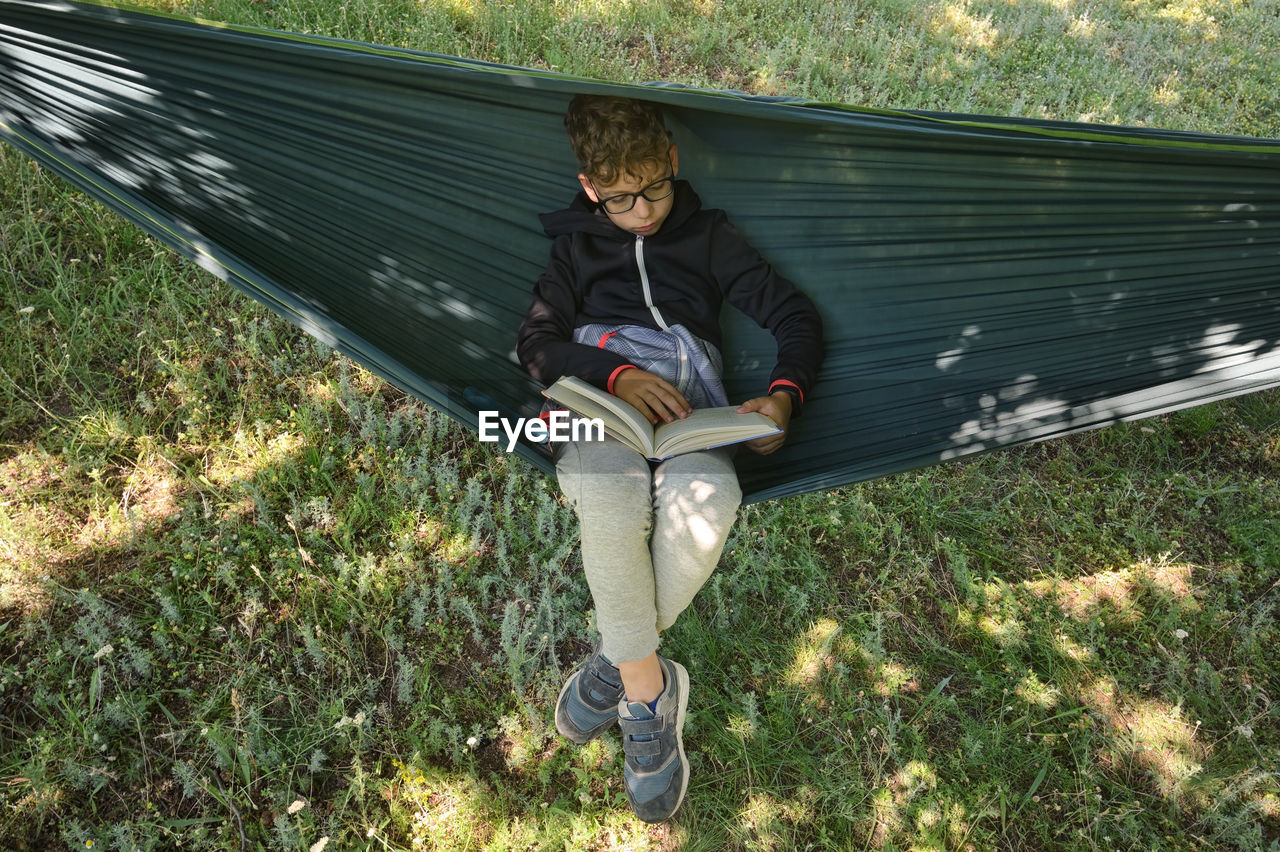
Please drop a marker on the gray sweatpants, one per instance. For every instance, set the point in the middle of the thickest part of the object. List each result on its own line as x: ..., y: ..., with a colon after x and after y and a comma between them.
x: 650, y: 536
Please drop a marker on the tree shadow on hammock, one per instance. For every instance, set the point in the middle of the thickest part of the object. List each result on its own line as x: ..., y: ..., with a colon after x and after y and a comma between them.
x: 983, y: 288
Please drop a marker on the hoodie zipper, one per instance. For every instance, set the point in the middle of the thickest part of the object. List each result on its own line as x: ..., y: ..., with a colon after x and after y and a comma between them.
x: 682, y: 356
x: 644, y: 284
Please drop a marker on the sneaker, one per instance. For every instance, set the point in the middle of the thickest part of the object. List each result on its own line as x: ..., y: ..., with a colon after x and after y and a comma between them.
x: 588, y: 702
x: 656, y: 771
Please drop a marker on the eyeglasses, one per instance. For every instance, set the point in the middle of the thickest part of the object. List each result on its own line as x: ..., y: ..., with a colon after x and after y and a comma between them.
x: 656, y: 191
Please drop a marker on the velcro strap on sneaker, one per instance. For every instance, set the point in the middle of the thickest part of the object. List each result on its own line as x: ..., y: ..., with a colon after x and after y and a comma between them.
x: 642, y: 748
x: 644, y: 726
x: 601, y: 685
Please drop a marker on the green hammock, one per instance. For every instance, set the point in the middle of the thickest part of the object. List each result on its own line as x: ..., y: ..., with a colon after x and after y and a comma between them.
x: 984, y: 282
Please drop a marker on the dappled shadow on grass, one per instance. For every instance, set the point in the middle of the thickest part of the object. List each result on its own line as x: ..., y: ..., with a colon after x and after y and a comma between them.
x: 470, y: 807
x: 1046, y: 731
x: 1081, y: 669
x: 958, y: 684
x: 235, y: 548
x: 307, y: 599
x: 49, y: 540
x: 1097, y: 70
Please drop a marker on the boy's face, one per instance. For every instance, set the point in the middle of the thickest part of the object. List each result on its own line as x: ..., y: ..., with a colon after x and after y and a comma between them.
x: 646, y: 217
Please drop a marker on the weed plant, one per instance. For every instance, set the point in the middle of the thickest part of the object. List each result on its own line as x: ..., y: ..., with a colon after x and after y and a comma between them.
x: 253, y: 598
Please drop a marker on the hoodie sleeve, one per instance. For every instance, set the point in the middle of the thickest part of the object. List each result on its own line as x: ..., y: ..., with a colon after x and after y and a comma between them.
x: 751, y: 285
x: 545, y: 344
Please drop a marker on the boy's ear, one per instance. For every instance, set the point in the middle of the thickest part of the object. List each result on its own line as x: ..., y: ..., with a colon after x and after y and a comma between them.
x: 675, y: 159
x: 588, y: 188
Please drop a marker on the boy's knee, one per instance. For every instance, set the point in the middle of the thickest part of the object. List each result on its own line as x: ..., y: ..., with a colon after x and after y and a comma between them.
x: 698, y: 514
x: 624, y: 502
x: 702, y: 477
x: 603, y: 473
x: 719, y: 494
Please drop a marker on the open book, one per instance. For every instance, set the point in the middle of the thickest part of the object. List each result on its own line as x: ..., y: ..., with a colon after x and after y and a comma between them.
x: 701, y: 430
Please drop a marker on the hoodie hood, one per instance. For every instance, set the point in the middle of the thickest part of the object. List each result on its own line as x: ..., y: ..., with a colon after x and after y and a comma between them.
x: 584, y: 216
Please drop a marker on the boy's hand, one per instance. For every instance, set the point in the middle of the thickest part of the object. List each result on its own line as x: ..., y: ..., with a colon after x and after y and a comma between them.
x: 777, y: 407
x: 651, y: 395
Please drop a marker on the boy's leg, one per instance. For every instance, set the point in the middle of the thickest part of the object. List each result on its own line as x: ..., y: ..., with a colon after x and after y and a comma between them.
x: 610, y: 488
x: 642, y: 678
x: 696, y: 499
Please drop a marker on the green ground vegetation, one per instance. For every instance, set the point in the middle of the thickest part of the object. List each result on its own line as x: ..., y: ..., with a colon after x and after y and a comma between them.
x: 252, y: 597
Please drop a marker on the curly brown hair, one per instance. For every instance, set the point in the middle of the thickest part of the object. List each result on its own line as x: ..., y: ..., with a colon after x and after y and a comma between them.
x: 612, y: 136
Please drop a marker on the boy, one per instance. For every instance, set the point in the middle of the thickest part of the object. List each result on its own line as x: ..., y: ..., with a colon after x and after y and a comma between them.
x: 630, y: 302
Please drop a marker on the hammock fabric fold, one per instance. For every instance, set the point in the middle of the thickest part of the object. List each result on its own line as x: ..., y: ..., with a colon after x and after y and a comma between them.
x: 984, y: 282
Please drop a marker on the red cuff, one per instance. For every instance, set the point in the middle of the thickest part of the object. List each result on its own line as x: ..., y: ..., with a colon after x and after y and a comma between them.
x: 615, y: 373
x: 788, y: 384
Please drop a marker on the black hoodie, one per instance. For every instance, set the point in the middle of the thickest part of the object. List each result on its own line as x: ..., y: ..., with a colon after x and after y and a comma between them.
x: 598, y: 274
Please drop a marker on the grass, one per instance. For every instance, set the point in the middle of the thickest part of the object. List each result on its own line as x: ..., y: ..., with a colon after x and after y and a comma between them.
x: 251, y: 597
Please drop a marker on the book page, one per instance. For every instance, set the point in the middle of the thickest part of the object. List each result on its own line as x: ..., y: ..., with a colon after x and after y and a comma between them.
x: 707, y: 427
